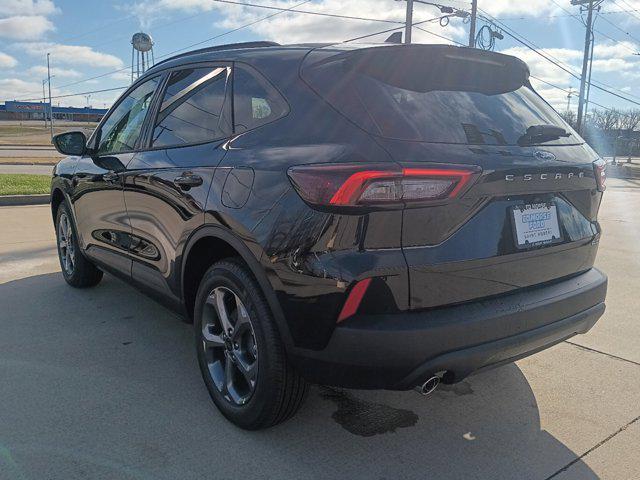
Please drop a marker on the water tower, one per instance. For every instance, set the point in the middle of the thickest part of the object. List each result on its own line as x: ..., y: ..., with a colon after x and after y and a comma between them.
x: 141, y: 47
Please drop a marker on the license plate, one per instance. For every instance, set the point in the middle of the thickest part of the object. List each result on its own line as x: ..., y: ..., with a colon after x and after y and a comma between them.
x: 536, y: 224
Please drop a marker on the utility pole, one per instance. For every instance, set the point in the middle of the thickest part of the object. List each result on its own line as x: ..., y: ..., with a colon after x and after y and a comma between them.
x: 87, y: 115
x: 408, y: 22
x: 569, y: 95
x: 590, y: 5
x: 472, y: 25
x: 44, y: 103
x: 50, y: 104
x: 586, y: 99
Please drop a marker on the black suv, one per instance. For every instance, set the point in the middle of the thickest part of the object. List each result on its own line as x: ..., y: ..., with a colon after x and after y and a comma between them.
x: 379, y: 217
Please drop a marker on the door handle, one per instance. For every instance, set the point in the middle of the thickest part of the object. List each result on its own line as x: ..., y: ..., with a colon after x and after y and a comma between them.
x: 111, y: 177
x: 187, y: 180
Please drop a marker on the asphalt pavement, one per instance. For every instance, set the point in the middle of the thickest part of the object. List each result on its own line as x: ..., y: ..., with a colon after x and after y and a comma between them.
x: 103, y: 384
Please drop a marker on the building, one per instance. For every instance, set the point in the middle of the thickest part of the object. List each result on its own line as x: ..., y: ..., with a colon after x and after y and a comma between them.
x: 12, y: 110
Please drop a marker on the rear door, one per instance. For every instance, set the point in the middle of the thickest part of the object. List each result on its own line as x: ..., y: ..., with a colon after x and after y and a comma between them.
x: 166, y: 185
x: 98, y: 199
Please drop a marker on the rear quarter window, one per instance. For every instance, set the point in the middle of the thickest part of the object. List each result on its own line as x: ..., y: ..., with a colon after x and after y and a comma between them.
x: 255, y: 101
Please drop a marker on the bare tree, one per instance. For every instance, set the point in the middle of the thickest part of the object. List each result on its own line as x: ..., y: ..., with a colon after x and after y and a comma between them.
x: 570, y: 117
x: 607, y: 120
x: 629, y: 122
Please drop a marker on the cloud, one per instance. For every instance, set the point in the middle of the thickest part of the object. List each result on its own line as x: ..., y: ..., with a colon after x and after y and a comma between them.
x: 613, y: 65
x: 546, y: 70
x: 71, y: 54
x: 621, y: 49
x: 15, y: 88
x: 7, y: 61
x: 532, y: 8
x: 557, y: 98
x: 122, y: 75
x: 25, y: 27
x: 27, y: 7
x: 41, y: 71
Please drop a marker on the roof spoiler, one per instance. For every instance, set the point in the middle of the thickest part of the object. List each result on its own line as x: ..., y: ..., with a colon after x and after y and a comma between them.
x: 424, y: 68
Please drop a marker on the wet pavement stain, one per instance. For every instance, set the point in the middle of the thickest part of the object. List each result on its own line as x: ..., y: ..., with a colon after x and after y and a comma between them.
x: 366, y: 419
x: 462, y: 388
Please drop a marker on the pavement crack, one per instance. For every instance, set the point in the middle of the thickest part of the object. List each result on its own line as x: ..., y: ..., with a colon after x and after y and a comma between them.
x: 602, y: 353
x: 595, y: 447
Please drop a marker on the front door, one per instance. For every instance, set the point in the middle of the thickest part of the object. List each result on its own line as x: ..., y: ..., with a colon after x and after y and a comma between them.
x: 166, y: 185
x: 98, y: 198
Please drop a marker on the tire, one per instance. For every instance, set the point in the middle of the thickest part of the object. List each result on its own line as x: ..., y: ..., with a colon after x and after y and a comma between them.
x: 76, y: 269
x: 265, y: 389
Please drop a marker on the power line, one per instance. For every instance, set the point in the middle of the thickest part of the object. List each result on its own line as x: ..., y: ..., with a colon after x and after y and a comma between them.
x: 519, y: 38
x: 111, y: 41
x: 184, y: 48
x: 442, y: 36
x: 308, y: 12
x: 78, y: 94
x: 532, y: 46
x: 246, y: 25
x: 156, y: 27
x: 628, y: 5
x: 623, y: 31
x: 398, y: 28
x: 581, y: 21
x: 279, y: 10
x: 567, y: 91
x: 557, y: 62
x: 529, y: 17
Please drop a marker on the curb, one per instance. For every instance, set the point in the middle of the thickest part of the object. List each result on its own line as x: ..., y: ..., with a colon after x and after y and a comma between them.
x: 14, y: 200
x: 44, y: 164
x: 40, y: 146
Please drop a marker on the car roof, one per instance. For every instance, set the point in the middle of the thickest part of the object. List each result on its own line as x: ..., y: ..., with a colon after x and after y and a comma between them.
x: 264, y: 50
x: 233, y: 51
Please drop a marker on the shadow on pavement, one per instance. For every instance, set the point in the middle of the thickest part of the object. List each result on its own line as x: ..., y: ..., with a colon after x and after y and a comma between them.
x: 103, y: 383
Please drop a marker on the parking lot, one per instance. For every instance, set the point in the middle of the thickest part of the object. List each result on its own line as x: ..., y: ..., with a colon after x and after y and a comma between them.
x: 103, y: 384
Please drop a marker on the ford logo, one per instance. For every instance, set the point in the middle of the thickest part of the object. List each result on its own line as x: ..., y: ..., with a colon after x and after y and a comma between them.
x: 543, y: 155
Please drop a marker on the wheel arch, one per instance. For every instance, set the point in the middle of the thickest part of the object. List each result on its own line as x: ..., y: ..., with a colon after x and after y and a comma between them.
x: 57, y: 197
x: 226, y: 244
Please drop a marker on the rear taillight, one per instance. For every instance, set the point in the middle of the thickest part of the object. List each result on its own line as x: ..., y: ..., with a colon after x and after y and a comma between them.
x: 366, y: 185
x: 600, y: 171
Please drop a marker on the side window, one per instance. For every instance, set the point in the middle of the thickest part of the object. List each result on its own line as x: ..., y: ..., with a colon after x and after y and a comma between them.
x: 255, y: 101
x: 121, y: 129
x: 192, y: 109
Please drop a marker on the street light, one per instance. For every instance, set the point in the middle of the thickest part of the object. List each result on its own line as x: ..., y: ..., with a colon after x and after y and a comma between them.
x: 44, y: 101
x: 50, y: 104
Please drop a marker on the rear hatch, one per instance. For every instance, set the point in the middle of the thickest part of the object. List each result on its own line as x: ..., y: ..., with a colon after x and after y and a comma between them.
x: 528, y: 218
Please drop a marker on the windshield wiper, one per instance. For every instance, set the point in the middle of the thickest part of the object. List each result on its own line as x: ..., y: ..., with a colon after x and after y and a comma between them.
x: 542, y: 133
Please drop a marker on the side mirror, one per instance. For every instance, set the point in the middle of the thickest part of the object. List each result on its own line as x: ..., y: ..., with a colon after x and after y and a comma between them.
x: 71, y: 143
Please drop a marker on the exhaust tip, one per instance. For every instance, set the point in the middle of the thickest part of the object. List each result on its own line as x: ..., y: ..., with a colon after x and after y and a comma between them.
x: 429, y: 386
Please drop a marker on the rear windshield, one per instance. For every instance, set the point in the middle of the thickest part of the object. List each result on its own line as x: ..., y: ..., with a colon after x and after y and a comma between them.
x: 386, y: 109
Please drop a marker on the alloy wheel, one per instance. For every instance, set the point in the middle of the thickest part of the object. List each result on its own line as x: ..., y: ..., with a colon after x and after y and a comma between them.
x: 229, y: 345
x: 66, y: 249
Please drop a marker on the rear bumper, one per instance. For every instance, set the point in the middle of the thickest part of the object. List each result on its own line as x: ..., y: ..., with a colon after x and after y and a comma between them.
x: 399, y: 351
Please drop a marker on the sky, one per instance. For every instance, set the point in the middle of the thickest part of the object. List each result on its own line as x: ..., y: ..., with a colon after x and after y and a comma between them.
x: 91, y: 38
